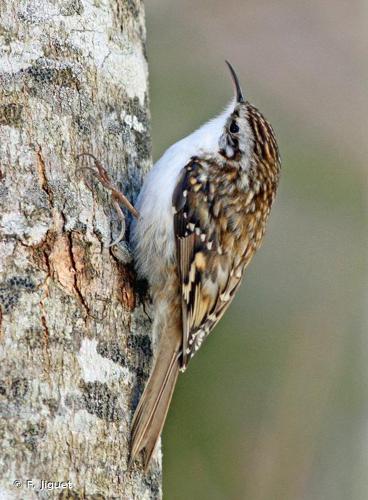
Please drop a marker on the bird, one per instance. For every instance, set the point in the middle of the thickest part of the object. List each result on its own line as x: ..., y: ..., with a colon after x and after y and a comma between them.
x: 203, y: 211
x: 199, y: 218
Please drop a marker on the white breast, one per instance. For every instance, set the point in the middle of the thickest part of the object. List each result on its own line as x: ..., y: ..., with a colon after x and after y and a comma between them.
x: 153, y: 235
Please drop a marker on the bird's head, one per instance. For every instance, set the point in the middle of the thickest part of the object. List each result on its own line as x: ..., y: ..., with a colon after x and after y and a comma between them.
x: 235, y: 141
x: 247, y: 138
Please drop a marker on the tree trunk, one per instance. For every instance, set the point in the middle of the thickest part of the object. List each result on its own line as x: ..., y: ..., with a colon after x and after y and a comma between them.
x: 74, y: 337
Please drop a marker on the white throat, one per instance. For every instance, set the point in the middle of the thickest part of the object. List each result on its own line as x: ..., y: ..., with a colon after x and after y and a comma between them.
x: 204, y: 140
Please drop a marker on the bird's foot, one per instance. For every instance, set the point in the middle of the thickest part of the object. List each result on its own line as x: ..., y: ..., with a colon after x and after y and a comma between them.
x: 122, y: 251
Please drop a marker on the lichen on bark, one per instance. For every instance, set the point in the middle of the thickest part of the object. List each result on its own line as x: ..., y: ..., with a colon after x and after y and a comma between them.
x: 74, y: 336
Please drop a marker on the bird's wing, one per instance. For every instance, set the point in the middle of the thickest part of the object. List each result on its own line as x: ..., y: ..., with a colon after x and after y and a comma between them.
x: 209, y: 273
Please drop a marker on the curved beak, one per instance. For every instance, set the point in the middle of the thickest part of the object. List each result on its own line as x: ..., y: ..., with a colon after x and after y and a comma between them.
x: 238, y: 90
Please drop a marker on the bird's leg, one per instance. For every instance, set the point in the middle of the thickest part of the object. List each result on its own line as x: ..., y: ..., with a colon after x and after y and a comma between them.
x: 121, y: 252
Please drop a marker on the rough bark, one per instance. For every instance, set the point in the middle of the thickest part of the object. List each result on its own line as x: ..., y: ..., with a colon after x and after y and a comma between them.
x: 74, y: 337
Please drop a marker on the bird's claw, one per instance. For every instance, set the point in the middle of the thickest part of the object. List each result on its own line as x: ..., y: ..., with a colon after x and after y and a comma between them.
x: 117, y: 197
x: 121, y: 252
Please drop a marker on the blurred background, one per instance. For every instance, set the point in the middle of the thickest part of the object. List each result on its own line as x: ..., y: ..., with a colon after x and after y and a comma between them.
x: 275, y: 405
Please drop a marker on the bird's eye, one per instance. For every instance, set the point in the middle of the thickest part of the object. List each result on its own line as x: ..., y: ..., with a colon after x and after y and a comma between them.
x: 234, y: 127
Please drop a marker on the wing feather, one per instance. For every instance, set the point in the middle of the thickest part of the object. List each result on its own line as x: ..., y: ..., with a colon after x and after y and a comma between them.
x: 208, y: 282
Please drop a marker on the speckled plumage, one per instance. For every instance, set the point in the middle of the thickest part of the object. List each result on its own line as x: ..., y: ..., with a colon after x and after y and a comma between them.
x: 204, y: 209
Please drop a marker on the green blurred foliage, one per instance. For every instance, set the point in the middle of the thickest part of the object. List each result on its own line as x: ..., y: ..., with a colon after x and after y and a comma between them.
x: 274, y: 406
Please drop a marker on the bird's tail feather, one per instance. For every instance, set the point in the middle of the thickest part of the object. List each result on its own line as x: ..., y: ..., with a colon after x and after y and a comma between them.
x: 150, y: 415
